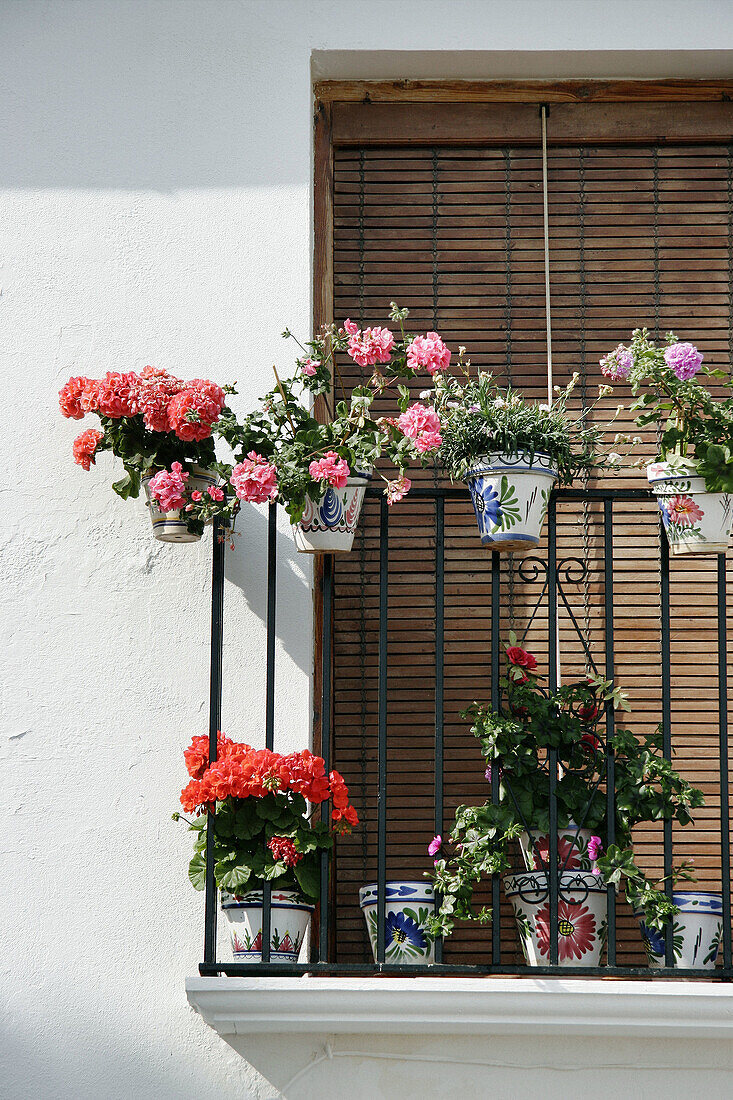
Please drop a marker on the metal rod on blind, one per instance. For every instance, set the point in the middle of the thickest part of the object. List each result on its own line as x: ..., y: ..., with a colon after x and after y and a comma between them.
x: 546, y: 229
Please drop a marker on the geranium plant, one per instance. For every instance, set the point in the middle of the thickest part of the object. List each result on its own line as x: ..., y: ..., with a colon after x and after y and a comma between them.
x: 156, y: 424
x: 300, y: 454
x: 672, y: 389
x: 516, y: 739
x: 264, y: 825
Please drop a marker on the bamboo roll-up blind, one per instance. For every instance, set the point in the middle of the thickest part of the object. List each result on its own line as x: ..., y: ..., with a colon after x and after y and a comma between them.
x: 641, y: 232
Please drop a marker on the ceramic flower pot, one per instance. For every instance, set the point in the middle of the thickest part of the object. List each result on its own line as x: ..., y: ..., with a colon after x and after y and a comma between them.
x: 407, y: 908
x: 328, y: 527
x: 696, y: 932
x: 696, y: 522
x: 582, y: 916
x: 572, y: 849
x: 510, y: 495
x: 289, y: 916
x: 171, y: 526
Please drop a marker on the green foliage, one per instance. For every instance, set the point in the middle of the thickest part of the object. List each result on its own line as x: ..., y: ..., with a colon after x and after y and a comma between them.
x: 242, y: 829
x: 477, y: 418
x: 516, y: 740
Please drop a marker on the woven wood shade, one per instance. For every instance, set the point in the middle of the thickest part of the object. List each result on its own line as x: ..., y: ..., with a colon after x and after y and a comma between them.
x: 640, y: 233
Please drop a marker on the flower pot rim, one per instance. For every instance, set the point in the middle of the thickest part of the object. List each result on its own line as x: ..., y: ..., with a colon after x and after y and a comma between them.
x: 594, y: 885
x: 499, y: 460
x: 424, y: 892
x: 254, y: 899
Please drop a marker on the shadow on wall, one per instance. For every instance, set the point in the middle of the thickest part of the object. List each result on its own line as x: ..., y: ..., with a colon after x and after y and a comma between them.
x: 246, y: 567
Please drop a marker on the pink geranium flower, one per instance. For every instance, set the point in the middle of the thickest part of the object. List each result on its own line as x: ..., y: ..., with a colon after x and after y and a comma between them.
x: 617, y: 365
x: 373, y: 345
x: 331, y: 469
x: 215, y: 492
x: 254, y: 479
x: 168, y: 488
x: 684, y: 359
x: 396, y: 490
x: 435, y: 845
x: 309, y: 366
x: 595, y: 847
x: 428, y: 353
x: 421, y: 424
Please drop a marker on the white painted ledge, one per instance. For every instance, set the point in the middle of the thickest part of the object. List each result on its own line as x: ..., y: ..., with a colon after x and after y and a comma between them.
x: 463, y: 1006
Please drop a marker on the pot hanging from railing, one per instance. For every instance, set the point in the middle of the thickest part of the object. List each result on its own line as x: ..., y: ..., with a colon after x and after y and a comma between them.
x: 696, y: 521
x: 172, y: 526
x: 328, y: 526
x: 510, y: 494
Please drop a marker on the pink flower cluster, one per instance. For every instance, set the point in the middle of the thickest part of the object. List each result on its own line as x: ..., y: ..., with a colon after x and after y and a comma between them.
x: 212, y: 491
x: 373, y: 345
x: 254, y: 479
x: 428, y: 353
x: 684, y: 359
x: 309, y: 366
x: 617, y: 365
x: 396, y: 490
x: 330, y: 468
x: 422, y: 425
x: 168, y: 488
x: 166, y: 404
x: 85, y: 447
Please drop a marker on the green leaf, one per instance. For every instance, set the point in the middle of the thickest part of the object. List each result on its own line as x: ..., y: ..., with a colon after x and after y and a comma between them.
x: 197, y: 871
x: 307, y: 873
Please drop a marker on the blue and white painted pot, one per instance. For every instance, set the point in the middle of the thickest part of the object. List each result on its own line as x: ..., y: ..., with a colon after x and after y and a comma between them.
x: 696, y: 522
x: 510, y: 495
x: 171, y: 526
x: 696, y: 932
x: 582, y: 911
x: 289, y: 917
x: 328, y: 527
x: 408, y: 905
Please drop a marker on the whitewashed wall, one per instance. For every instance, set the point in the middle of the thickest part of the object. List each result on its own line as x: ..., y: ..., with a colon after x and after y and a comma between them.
x: 155, y: 206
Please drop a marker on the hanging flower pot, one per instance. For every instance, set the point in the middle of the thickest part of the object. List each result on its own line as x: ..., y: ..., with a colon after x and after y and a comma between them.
x: 328, y: 527
x: 510, y: 495
x: 408, y: 905
x: 572, y: 849
x: 289, y: 916
x: 581, y: 910
x: 171, y: 526
x: 696, y: 522
x: 696, y: 932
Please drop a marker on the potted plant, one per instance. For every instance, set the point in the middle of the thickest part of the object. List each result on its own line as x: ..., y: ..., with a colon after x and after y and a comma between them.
x: 516, y: 739
x: 510, y: 452
x: 692, y: 475
x: 264, y: 831
x: 321, y: 465
x: 408, y: 907
x: 162, y: 429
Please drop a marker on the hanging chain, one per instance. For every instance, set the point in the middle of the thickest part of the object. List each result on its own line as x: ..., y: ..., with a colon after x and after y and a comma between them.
x: 584, y: 400
x: 730, y: 259
x: 362, y: 553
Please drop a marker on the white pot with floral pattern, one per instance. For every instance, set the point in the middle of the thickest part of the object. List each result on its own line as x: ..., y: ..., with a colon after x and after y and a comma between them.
x: 289, y: 917
x: 696, y: 522
x: 581, y: 910
x: 572, y: 849
x: 171, y: 526
x: 408, y: 905
x: 696, y: 932
x: 510, y: 495
x: 328, y: 527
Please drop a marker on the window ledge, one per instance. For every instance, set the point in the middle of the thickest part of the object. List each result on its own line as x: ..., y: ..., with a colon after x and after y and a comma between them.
x: 465, y: 1006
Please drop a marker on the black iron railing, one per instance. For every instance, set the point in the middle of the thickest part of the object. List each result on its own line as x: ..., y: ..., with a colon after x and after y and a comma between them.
x: 321, y: 961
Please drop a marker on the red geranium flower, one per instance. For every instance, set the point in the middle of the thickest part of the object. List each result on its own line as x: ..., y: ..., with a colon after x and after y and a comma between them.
x: 576, y: 930
x: 518, y: 656
x: 85, y: 447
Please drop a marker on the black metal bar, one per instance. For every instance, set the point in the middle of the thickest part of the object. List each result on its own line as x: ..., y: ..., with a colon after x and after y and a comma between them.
x: 469, y: 970
x: 666, y: 723
x: 439, y: 675
x: 382, y: 727
x: 723, y: 731
x: 454, y: 492
x: 326, y: 656
x: 215, y: 683
x: 610, y: 728
x: 270, y: 693
x: 552, y: 753
x: 495, y: 704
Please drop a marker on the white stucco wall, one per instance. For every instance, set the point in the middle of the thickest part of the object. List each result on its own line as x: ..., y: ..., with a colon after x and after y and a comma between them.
x: 155, y: 206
